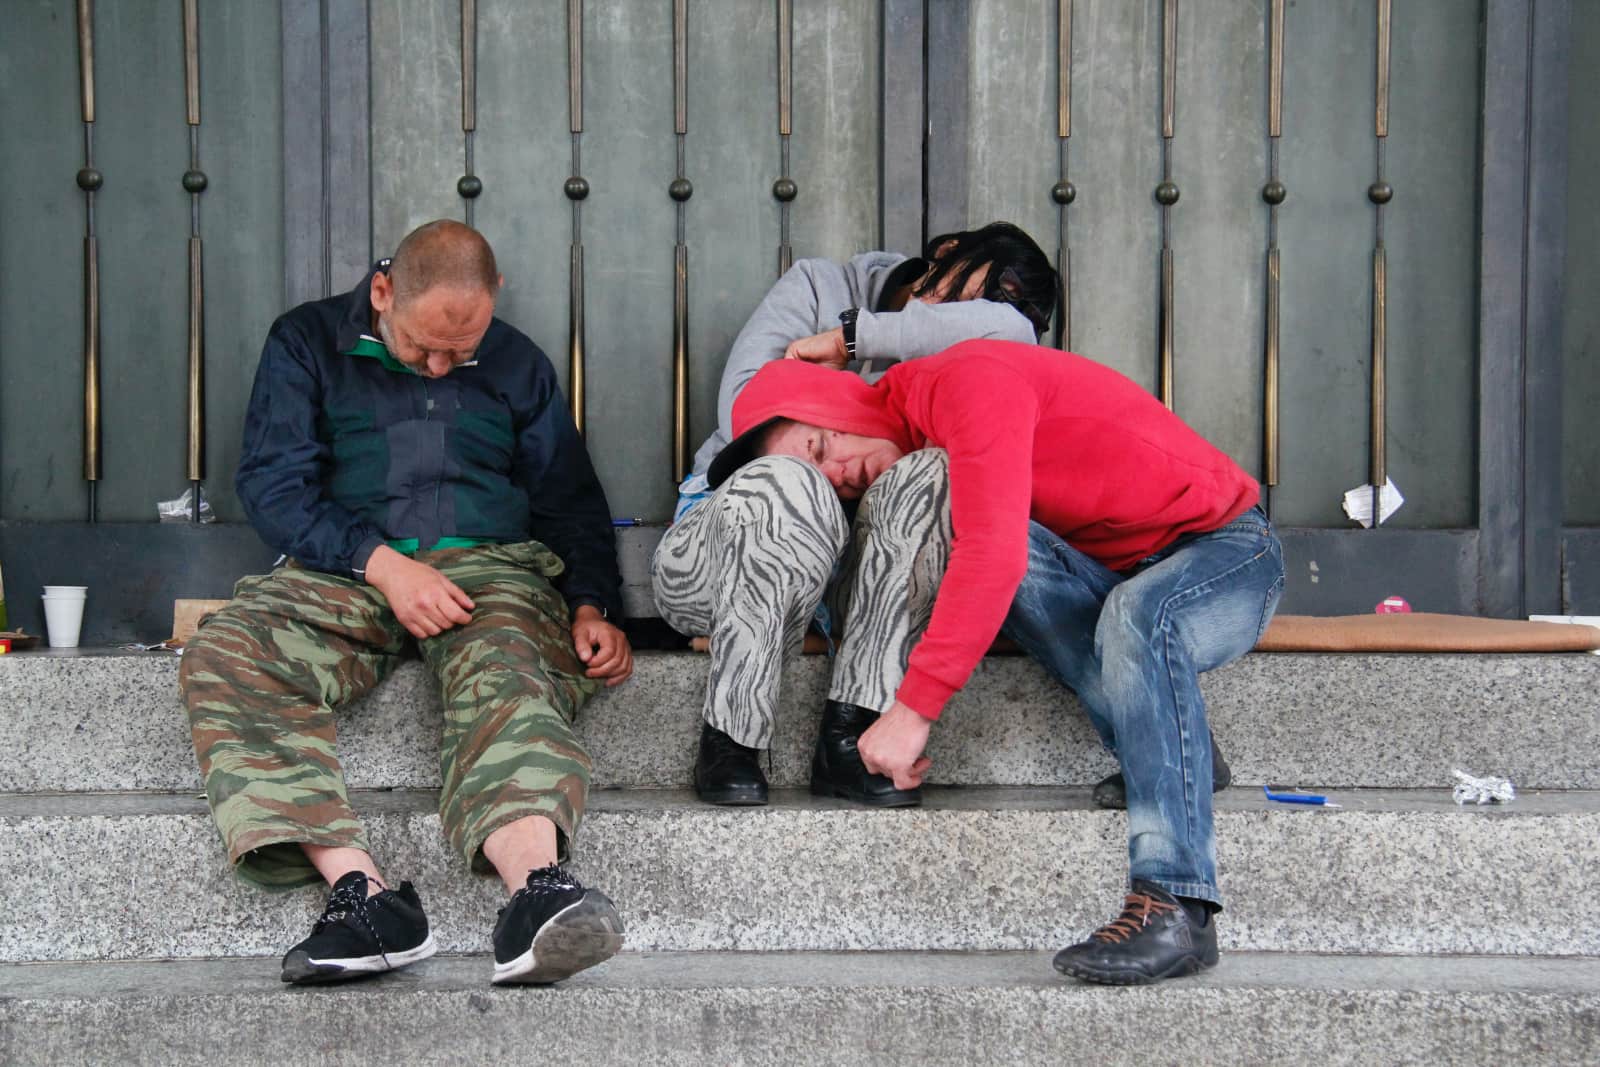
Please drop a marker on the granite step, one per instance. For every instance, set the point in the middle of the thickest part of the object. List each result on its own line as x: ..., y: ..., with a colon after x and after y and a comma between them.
x: 976, y: 868
x: 922, y: 1009
x: 112, y: 721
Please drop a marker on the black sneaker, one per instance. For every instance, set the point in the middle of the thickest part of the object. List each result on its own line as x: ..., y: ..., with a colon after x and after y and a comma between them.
x: 552, y: 928
x: 728, y: 773
x: 1112, y: 791
x: 1153, y: 938
x: 358, y: 935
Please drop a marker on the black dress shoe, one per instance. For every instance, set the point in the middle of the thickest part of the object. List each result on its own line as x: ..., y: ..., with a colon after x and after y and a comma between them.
x: 1112, y: 791
x: 836, y: 768
x: 1153, y: 938
x: 727, y: 772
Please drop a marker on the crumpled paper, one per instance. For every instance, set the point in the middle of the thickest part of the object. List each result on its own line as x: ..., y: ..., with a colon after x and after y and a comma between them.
x: 1486, y: 790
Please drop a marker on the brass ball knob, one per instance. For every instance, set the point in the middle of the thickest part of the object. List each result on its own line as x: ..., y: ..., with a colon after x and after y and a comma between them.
x: 576, y: 188
x: 785, y: 189
x: 1063, y: 192
x: 469, y: 186
x: 681, y: 189
x: 1273, y: 192
x: 1380, y: 192
x: 90, y: 179
x: 1166, y: 194
x: 195, y: 181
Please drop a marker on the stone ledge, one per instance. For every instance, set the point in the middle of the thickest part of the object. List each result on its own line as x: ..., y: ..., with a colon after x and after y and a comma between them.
x: 976, y: 869
x: 798, y: 1008
x: 113, y: 721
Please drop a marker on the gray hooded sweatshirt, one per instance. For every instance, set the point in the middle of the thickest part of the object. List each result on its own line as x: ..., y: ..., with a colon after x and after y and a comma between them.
x: 807, y: 300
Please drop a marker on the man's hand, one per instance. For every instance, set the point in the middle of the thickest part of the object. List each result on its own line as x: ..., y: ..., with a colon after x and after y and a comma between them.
x: 601, y: 646
x: 826, y: 348
x: 425, y: 601
x: 893, y: 746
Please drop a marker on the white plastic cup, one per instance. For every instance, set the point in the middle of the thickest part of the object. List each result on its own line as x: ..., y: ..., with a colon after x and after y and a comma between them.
x: 67, y: 592
x: 63, y: 619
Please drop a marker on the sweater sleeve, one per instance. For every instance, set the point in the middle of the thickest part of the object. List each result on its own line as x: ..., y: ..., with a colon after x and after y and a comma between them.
x: 567, y: 507
x: 281, y: 466
x: 919, y: 329
x: 984, y: 415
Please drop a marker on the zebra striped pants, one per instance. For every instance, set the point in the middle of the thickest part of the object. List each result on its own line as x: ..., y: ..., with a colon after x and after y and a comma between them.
x: 749, y: 567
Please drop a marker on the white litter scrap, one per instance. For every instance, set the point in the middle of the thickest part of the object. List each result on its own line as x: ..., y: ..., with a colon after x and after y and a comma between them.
x: 1358, y: 502
x: 1488, y: 790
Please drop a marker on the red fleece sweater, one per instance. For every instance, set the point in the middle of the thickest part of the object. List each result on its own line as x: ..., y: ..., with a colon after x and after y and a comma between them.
x: 1036, y: 433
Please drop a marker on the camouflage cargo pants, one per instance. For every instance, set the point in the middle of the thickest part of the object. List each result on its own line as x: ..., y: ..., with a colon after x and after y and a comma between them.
x: 262, y: 677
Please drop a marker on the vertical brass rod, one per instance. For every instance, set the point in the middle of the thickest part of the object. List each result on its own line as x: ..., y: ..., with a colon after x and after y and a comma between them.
x: 575, y: 65
x: 680, y: 66
x: 680, y: 362
x: 784, y: 189
x: 91, y: 360
x: 1064, y: 319
x: 1380, y: 309
x: 469, y: 65
x: 1169, y: 65
x: 191, y: 60
x: 1381, y: 118
x: 785, y: 67
x: 576, y: 376
x: 197, y: 355
x: 1275, y: 73
x: 86, y: 58
x: 1063, y: 68
x: 1166, y: 328
x: 1271, y: 382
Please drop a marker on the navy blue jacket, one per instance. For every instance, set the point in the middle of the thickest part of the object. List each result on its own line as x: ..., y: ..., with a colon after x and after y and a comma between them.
x: 346, y: 449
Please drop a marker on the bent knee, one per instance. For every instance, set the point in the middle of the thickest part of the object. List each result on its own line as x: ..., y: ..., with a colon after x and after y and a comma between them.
x: 789, y: 493
x: 913, y: 472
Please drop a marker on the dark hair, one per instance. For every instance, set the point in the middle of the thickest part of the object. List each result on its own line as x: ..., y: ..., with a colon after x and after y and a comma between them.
x: 1021, y: 274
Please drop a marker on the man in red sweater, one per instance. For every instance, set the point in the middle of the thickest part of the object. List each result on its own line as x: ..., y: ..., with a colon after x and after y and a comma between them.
x: 1113, y: 543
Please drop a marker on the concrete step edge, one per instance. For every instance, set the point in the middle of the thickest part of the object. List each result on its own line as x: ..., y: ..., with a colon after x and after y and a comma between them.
x: 680, y: 803
x: 802, y: 1008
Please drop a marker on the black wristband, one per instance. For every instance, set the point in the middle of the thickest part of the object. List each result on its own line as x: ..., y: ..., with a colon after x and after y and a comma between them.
x: 847, y: 319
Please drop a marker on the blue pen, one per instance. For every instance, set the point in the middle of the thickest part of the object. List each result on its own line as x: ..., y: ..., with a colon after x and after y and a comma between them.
x: 1296, y: 798
x: 627, y: 522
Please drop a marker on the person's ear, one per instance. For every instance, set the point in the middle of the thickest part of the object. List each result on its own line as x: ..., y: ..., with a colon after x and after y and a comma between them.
x: 944, y: 249
x: 382, y: 293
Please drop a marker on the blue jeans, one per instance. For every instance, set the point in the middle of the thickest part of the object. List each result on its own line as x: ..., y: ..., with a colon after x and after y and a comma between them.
x: 1132, y: 645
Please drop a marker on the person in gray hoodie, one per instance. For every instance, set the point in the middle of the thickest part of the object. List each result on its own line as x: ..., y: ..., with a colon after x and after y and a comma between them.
x: 750, y: 564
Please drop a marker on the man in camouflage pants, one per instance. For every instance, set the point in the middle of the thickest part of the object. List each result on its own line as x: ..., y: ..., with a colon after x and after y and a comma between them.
x: 414, y: 456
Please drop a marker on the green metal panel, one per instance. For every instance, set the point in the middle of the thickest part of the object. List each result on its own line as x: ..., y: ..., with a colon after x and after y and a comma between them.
x: 1219, y: 163
x: 1431, y: 233
x: 523, y: 151
x: 142, y: 218
x: 241, y: 219
x: 41, y: 237
x: 836, y: 128
x: 1327, y: 237
x: 1581, y: 369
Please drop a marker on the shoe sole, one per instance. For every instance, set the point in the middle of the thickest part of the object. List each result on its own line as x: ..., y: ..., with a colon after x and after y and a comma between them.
x: 299, y: 968
x: 1118, y: 801
x: 1183, y: 967
x: 733, y: 799
x: 824, y: 789
x: 586, y: 932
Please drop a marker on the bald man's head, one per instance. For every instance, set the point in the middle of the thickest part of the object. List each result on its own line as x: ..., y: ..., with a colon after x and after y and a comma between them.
x: 443, y: 253
x: 433, y: 307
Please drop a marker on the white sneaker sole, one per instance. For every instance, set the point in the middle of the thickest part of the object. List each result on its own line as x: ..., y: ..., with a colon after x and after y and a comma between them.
x: 584, y: 933
x: 327, y: 970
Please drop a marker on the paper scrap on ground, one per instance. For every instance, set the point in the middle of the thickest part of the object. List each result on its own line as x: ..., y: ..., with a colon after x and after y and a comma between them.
x: 1486, y: 790
x: 1358, y: 503
x: 1571, y: 620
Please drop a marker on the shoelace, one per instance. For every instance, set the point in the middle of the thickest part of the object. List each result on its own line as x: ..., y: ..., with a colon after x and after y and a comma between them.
x: 350, y: 900
x: 551, y: 879
x: 1137, y: 908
